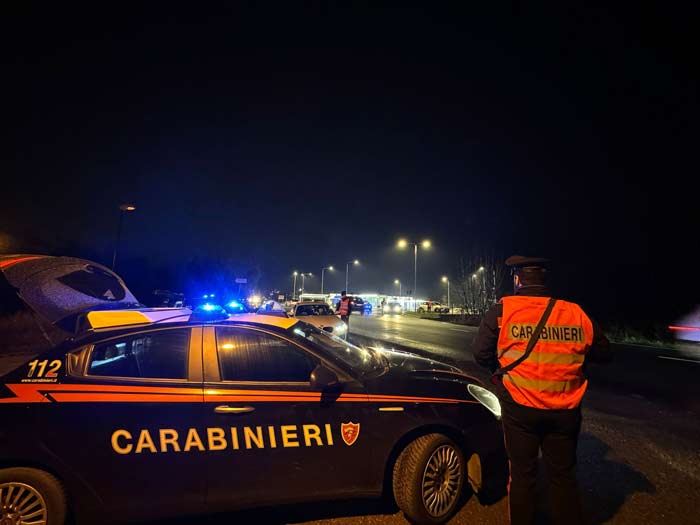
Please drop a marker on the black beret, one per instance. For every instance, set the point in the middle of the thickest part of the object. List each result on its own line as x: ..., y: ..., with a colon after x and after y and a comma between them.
x: 520, y: 261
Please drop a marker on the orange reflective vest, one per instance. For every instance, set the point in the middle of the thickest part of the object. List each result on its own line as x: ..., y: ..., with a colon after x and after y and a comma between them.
x: 344, y: 307
x: 552, y: 376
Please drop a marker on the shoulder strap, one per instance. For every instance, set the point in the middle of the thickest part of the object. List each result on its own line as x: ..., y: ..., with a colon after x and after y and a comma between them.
x: 531, y: 343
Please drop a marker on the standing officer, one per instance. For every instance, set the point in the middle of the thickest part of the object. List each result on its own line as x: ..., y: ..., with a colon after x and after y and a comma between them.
x: 344, y: 308
x: 540, y: 391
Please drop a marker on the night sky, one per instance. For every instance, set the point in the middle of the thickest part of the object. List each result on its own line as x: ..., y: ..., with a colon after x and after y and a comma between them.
x: 298, y: 135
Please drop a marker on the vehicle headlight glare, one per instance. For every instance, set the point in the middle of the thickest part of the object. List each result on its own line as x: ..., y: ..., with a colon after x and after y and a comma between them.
x: 486, y: 398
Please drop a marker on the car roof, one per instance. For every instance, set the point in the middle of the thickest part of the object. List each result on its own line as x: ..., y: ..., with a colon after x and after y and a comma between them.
x: 102, y: 320
x: 121, y: 323
x: 262, y: 319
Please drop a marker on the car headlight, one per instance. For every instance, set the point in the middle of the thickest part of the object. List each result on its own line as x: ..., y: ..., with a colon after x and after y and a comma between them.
x: 340, y: 329
x: 486, y: 398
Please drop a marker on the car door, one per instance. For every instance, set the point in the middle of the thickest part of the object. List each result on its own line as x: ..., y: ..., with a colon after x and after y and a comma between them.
x: 125, y: 418
x: 280, y: 439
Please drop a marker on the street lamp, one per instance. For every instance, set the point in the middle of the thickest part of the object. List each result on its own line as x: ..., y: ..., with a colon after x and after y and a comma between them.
x: 396, y: 281
x: 403, y: 243
x: 446, y: 280
x: 304, y: 276
x: 294, y: 287
x: 483, y: 282
x: 322, y: 271
x: 347, y: 270
x: 123, y: 208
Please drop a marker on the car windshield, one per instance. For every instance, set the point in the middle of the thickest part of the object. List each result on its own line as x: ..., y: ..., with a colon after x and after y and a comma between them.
x: 313, y: 309
x: 360, y: 359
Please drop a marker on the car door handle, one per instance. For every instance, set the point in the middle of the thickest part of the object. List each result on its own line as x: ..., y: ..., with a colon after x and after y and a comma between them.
x: 225, y: 409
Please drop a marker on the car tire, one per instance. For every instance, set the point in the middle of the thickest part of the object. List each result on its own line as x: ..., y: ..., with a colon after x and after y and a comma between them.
x: 40, y: 487
x: 433, y: 459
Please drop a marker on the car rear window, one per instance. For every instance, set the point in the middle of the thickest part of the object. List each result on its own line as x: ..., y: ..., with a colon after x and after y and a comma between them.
x: 313, y: 309
x: 94, y: 282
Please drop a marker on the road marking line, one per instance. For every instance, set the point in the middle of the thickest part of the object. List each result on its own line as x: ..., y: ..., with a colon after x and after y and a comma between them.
x: 678, y: 359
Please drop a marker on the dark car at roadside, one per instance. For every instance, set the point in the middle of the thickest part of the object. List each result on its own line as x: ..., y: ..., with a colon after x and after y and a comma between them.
x: 152, y: 413
x: 360, y: 306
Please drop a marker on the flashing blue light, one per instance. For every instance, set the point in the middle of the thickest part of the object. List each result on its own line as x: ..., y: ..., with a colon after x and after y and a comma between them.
x: 205, y: 296
x: 209, y: 312
x: 234, y: 304
x: 211, y: 295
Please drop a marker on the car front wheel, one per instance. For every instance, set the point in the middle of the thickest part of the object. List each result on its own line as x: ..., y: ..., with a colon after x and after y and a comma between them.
x: 29, y: 495
x: 428, y: 479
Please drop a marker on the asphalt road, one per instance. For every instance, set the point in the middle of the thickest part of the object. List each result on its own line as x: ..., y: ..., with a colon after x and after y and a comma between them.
x: 664, y: 375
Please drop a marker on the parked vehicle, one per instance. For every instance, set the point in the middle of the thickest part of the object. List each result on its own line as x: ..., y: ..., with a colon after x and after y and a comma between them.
x: 392, y: 308
x: 319, y: 314
x: 433, y: 306
x: 360, y: 306
x: 178, y: 412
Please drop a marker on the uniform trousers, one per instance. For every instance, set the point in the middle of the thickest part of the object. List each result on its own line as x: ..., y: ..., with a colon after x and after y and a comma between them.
x: 555, y: 432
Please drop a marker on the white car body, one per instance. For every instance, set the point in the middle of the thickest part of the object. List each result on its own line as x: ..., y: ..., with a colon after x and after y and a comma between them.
x: 433, y: 306
x: 319, y: 314
x: 393, y: 308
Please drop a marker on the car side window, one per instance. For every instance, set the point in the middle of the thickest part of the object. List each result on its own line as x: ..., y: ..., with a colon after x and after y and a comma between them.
x: 249, y: 355
x: 154, y: 355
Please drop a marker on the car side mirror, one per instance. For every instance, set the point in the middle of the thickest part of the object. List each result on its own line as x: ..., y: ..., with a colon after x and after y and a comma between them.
x: 322, y: 378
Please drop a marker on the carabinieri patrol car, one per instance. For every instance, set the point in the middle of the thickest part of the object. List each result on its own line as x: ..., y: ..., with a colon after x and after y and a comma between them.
x: 147, y: 413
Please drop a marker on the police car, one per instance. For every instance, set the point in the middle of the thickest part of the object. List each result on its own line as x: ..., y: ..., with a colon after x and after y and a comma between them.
x: 148, y: 413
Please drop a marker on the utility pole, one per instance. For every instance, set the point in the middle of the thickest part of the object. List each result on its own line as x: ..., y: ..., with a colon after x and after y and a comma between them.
x: 123, y: 208
x: 347, y: 271
x: 322, y: 271
x: 303, y: 277
x: 446, y: 280
x: 403, y: 243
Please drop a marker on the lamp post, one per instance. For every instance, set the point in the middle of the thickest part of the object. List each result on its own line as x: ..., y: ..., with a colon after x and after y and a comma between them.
x: 304, y: 276
x: 396, y: 281
x: 294, y: 287
x: 403, y: 243
x: 322, y: 271
x: 446, y: 280
x: 483, y: 284
x: 123, y: 208
x: 347, y: 270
